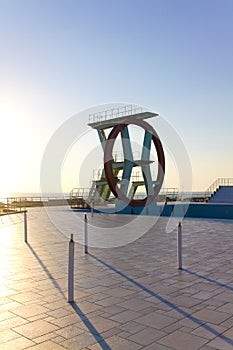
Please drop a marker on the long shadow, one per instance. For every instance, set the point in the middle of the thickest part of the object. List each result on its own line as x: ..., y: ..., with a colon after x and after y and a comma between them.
x: 48, y: 273
x: 165, y: 301
x: 90, y: 327
x: 102, y: 343
x: 208, y: 279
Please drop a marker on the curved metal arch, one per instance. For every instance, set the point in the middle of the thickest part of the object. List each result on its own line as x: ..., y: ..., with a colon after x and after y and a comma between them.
x: 108, y: 162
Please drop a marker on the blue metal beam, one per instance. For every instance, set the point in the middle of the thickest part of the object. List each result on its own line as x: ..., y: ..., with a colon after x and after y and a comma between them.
x: 146, y: 168
x: 128, y: 160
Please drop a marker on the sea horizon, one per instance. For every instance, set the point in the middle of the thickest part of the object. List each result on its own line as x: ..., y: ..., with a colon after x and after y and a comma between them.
x: 67, y: 194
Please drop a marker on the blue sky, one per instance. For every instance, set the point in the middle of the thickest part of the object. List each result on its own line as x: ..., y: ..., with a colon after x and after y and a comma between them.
x: 59, y: 57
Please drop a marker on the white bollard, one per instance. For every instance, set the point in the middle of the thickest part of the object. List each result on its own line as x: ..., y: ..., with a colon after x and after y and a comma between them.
x: 85, y: 235
x: 179, y: 246
x: 25, y: 227
x: 71, y: 270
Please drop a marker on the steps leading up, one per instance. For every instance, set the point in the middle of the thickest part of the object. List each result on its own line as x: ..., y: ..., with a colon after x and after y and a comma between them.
x: 224, y: 194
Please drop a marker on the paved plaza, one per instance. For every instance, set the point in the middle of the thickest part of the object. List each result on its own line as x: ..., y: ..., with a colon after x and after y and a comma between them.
x: 129, y: 297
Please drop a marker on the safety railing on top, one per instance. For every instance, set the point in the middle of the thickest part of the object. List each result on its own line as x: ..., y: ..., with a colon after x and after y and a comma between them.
x: 114, y: 113
x: 219, y: 182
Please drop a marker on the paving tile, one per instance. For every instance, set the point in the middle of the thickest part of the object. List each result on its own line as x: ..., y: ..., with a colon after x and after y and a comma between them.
x: 66, y: 321
x: 155, y: 320
x: 228, y: 333
x: 17, y: 344
x: 79, y: 342
x: 9, y: 306
x: 147, y: 336
x: 35, y: 329
x: 61, y: 312
x: 211, y: 316
x: 119, y: 292
x: 87, y: 307
x: 113, y: 309
x: 8, y: 335
x: 56, y: 304
x: 37, y: 317
x: 69, y: 331
x: 185, y: 301
x: 12, y: 322
x: 110, y: 332
x: 125, y: 316
x: 27, y: 311
x: 188, y: 322
x: 182, y: 341
x: 221, y: 344
x: 228, y: 323
x: 227, y: 308
x: 6, y: 315
x: 58, y: 339
x: 44, y: 338
x: 136, y: 304
x: 117, y: 343
x: 155, y: 346
x: 109, y: 301
x: 205, y: 332
x: 48, y: 345
x: 100, y: 324
x: 132, y: 327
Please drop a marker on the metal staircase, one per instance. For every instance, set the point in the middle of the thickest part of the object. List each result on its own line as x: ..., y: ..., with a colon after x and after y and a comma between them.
x: 221, y: 191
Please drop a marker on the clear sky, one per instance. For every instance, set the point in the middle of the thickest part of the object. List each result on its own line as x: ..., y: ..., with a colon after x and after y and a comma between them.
x: 58, y: 57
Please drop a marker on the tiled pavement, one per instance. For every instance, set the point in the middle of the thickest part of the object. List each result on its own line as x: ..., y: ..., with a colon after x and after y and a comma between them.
x: 130, y: 297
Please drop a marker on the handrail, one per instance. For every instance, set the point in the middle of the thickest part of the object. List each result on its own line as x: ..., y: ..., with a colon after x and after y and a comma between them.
x: 114, y: 113
x: 19, y: 204
x: 219, y: 182
x: 11, y: 205
x: 167, y: 190
x: 79, y: 192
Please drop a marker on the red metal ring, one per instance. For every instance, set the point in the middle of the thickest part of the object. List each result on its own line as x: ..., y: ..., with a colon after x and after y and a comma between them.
x: 108, y: 162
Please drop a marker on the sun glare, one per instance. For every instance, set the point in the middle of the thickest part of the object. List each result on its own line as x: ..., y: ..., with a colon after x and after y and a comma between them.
x: 13, y: 135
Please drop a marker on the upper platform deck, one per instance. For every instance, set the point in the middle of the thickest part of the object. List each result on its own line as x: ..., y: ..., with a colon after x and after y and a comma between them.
x: 114, y: 116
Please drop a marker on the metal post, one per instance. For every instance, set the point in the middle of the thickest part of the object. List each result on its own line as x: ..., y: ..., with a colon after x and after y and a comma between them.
x: 85, y: 235
x: 179, y: 246
x: 25, y: 227
x: 92, y: 208
x: 71, y: 270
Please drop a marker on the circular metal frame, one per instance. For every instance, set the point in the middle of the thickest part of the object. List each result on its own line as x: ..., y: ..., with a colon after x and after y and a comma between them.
x: 108, y: 162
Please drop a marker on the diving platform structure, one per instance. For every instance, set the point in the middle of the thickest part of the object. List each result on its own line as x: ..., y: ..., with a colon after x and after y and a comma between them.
x: 128, y: 183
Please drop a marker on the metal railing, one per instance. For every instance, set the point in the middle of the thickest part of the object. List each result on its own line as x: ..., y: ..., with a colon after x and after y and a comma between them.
x: 80, y: 193
x: 11, y: 205
x: 19, y: 204
x: 217, y: 183
x: 114, y: 113
x: 169, y: 191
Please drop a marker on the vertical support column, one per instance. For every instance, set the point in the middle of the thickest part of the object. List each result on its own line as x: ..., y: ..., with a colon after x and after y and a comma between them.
x: 146, y: 168
x: 102, y: 137
x: 85, y: 235
x: 71, y: 270
x: 179, y: 246
x: 25, y: 227
x: 128, y: 160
